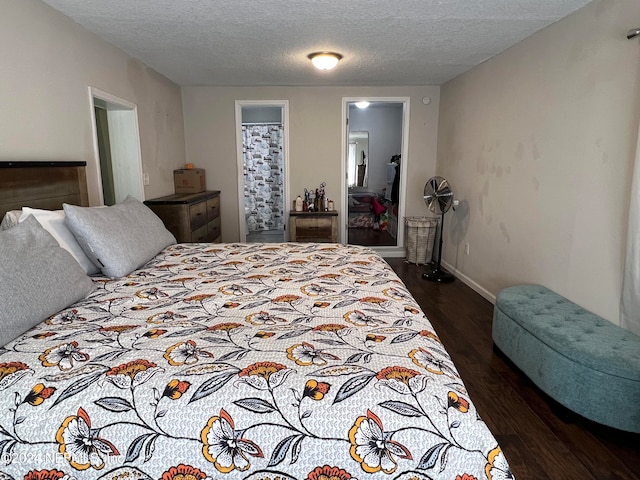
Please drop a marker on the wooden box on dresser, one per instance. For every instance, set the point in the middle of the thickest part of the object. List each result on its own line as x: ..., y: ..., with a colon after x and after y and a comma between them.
x: 314, y: 226
x: 191, y: 217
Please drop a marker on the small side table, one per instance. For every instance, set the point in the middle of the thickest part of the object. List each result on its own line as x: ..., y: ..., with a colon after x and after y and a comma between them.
x: 314, y: 226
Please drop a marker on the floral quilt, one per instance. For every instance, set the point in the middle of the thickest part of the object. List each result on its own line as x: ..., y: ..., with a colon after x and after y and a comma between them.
x: 241, y: 361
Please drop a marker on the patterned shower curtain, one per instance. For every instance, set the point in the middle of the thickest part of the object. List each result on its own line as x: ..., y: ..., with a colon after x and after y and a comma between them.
x: 263, y: 176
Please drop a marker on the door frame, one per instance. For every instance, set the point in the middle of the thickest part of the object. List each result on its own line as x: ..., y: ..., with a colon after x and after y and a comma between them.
x: 397, y: 250
x: 124, y: 138
x: 284, y: 105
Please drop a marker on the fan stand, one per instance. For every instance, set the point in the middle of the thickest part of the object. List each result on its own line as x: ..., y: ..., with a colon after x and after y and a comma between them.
x: 439, y: 275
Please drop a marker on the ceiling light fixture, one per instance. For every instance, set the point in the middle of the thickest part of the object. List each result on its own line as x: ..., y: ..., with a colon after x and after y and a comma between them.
x: 324, y: 60
x: 362, y: 104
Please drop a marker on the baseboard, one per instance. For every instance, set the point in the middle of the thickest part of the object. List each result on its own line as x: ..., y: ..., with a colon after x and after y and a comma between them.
x: 470, y: 283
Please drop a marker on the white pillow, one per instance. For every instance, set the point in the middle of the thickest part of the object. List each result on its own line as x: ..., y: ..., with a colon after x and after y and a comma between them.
x: 53, y: 222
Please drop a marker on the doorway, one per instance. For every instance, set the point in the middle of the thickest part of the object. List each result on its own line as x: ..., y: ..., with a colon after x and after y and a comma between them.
x: 262, y: 159
x: 116, y: 147
x: 374, y: 164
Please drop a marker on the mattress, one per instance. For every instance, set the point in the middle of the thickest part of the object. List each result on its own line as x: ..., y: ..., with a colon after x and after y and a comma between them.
x: 242, y: 361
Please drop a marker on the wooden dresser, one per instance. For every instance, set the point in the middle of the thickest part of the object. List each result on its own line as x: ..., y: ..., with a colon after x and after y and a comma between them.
x: 314, y: 226
x: 191, y: 217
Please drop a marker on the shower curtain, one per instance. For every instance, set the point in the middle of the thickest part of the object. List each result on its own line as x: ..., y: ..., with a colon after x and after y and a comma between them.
x: 630, y: 302
x: 263, y: 176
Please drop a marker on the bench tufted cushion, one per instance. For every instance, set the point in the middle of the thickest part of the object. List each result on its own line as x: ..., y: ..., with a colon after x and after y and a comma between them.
x: 581, y: 360
x: 572, y: 331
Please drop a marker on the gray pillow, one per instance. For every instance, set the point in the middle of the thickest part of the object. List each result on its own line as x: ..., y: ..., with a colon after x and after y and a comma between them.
x: 53, y: 222
x: 38, y: 277
x: 119, y: 238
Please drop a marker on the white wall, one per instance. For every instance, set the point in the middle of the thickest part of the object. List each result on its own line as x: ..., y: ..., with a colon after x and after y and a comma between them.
x: 47, y: 63
x: 540, y: 142
x: 315, y: 139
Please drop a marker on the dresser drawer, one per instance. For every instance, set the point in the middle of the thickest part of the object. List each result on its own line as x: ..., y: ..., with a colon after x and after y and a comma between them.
x: 213, y: 230
x: 199, y: 235
x: 198, y: 215
x: 213, y: 208
x: 314, y: 227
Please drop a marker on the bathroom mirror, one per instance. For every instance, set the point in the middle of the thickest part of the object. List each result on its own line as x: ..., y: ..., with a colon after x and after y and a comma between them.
x: 358, y: 161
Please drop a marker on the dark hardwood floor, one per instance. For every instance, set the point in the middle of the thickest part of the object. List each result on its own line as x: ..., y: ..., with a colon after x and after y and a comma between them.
x: 370, y: 237
x: 541, y: 439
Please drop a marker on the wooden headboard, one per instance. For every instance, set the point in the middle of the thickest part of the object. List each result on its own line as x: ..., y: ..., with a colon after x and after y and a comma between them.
x: 45, y: 185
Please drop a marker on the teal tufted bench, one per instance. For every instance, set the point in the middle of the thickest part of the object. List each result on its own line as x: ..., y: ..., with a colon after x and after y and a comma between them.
x: 583, y: 361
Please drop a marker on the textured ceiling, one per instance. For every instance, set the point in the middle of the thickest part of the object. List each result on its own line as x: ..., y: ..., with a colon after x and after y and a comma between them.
x: 266, y: 42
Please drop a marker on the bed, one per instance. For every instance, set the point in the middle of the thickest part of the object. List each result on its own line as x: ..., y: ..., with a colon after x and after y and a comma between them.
x: 240, y: 361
